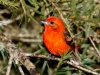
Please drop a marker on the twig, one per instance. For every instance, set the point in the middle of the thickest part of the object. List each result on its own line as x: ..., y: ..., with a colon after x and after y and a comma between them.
x: 30, y: 40
x: 7, y: 22
x: 4, y: 11
x: 9, y: 65
x: 81, y: 68
x: 96, y: 49
x: 20, y: 69
x: 23, y: 6
x: 58, y: 59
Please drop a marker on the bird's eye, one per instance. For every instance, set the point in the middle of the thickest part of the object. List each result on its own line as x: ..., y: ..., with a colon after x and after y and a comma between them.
x: 51, y: 22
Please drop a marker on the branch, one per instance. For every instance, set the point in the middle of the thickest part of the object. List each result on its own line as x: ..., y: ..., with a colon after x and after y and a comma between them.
x: 58, y: 59
x: 18, y: 55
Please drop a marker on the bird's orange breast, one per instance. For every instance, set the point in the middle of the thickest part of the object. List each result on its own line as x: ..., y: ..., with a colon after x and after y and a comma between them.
x: 55, y: 42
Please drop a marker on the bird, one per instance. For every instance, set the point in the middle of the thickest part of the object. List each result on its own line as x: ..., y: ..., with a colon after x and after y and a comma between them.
x: 56, y: 37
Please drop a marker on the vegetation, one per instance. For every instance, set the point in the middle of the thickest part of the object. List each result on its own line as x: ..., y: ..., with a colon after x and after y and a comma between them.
x: 20, y: 22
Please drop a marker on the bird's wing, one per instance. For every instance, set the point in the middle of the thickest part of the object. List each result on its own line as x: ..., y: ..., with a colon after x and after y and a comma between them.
x: 69, y: 39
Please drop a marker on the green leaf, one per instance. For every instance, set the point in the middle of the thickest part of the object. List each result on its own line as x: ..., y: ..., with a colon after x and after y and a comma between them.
x: 88, y: 30
x: 88, y: 61
x: 85, y: 46
x: 88, y: 67
x: 43, y: 67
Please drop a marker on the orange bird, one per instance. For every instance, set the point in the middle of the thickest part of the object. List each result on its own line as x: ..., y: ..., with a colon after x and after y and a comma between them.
x: 56, y: 37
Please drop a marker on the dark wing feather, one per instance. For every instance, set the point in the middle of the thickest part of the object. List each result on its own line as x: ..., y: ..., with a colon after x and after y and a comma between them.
x: 69, y: 39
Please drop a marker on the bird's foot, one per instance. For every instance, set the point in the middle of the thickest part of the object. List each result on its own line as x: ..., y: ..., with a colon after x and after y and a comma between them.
x: 49, y: 56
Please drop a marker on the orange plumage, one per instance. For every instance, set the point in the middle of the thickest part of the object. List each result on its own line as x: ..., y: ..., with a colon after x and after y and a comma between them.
x: 53, y: 36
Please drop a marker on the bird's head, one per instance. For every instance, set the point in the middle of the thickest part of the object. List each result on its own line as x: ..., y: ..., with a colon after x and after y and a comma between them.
x: 53, y: 23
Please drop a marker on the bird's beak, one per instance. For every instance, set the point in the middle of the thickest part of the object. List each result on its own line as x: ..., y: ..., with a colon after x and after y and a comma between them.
x: 44, y: 22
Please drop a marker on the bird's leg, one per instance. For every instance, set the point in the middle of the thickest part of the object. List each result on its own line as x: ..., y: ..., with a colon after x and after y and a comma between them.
x: 49, y: 56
